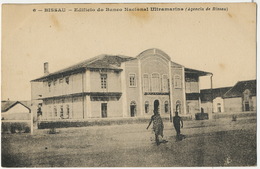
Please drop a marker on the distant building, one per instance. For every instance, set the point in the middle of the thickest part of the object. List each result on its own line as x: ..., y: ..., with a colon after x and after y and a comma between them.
x: 118, y: 86
x: 15, y: 110
x: 216, y: 94
x: 240, y: 97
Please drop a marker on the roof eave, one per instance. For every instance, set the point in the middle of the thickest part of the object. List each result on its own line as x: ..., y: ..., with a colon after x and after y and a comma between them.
x: 53, y: 75
x: 199, y: 72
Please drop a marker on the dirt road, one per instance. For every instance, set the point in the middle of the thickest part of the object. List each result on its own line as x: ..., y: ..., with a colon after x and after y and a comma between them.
x: 207, y: 143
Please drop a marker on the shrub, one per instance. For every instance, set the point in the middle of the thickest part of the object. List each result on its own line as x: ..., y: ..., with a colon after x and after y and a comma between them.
x: 234, y: 117
x: 15, y: 127
x: 52, y: 131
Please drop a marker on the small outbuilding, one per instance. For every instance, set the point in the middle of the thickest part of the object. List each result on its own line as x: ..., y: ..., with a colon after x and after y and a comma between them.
x: 15, y: 110
x: 241, y: 97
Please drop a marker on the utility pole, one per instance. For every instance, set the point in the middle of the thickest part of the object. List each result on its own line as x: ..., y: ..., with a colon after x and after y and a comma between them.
x: 170, y: 102
x: 211, y: 90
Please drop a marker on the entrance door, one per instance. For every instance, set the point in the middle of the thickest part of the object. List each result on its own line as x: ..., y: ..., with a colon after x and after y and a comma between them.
x: 247, y: 106
x: 104, y: 110
x: 219, y: 107
x: 133, y: 109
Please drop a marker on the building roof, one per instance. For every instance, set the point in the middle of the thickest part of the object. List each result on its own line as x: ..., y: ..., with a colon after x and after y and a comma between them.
x: 198, y: 72
x: 176, y: 65
x: 111, y: 62
x: 153, y: 51
x: 206, y: 95
x: 7, y: 105
x: 240, y: 87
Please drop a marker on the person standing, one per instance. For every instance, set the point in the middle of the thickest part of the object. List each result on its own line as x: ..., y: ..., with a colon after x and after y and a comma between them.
x: 157, y: 122
x: 178, y: 124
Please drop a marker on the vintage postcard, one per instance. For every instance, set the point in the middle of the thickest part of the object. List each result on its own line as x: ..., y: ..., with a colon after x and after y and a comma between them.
x: 129, y: 85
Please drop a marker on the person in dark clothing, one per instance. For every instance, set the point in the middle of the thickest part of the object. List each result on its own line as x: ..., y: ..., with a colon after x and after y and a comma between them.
x: 157, y: 122
x: 178, y: 124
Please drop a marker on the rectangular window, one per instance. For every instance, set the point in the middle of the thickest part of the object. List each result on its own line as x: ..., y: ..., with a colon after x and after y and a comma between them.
x: 49, y: 85
x: 61, y: 112
x: 67, y: 79
x: 103, y: 81
x: 68, y: 112
x: 177, y: 81
x: 54, y: 84
x: 55, y: 111
x: 132, y: 80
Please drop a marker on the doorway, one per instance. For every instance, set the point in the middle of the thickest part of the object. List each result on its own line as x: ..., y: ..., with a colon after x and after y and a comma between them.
x: 104, y: 110
x: 178, y: 106
x: 133, y: 109
x: 219, y: 107
x: 247, y: 106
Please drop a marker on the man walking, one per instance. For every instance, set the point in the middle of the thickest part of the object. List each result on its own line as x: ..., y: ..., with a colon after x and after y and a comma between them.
x: 178, y: 124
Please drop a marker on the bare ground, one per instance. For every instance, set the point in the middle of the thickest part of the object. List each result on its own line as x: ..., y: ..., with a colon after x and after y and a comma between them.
x: 207, y: 143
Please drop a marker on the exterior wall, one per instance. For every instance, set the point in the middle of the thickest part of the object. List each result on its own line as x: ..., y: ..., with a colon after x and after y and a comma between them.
x: 154, y: 74
x: 192, y: 87
x: 218, y: 103
x: 193, y: 107
x: 113, y: 108
x: 254, y: 101
x: 18, y: 112
x: 162, y: 99
x: 72, y: 108
x: 192, y: 94
x: 79, y: 107
x: 37, y: 89
x: 132, y: 92
x: 233, y: 104
x: 227, y: 105
x: 207, y: 107
x: 178, y: 92
x: 64, y: 85
x: 113, y: 81
x: 59, y: 86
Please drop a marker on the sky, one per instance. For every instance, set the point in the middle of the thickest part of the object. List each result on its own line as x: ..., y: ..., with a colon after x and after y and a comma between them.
x: 221, y: 42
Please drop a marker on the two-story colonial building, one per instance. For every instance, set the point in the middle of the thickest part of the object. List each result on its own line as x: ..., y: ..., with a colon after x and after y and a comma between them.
x: 118, y: 86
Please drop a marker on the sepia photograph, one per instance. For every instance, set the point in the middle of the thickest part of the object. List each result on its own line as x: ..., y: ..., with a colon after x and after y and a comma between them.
x: 129, y: 85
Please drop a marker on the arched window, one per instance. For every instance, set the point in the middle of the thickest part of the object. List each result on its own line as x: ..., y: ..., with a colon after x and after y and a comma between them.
x: 146, y: 82
x: 146, y: 107
x: 166, y: 107
x: 165, y: 83
x: 178, y: 106
x: 177, y: 81
x: 155, y: 82
x: 246, y: 100
x: 133, y: 109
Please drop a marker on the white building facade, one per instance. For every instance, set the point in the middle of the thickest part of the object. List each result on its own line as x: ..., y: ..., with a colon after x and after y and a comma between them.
x: 109, y: 86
